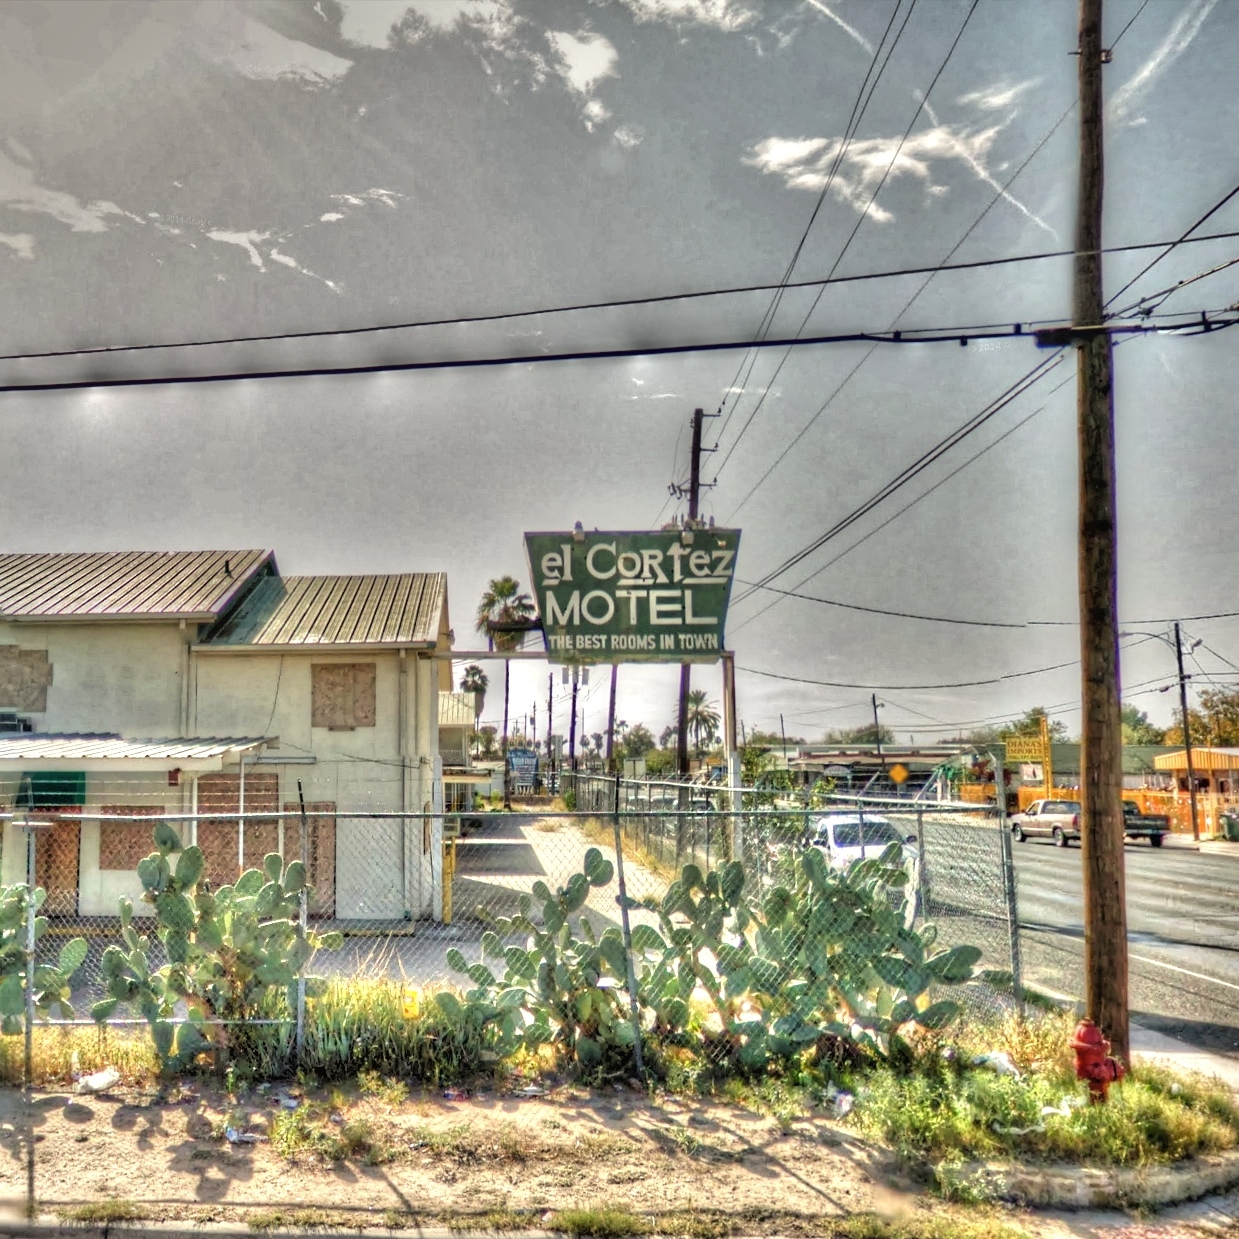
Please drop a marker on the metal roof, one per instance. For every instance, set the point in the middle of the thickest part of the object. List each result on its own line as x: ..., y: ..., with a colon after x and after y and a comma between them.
x: 456, y: 710
x: 109, y: 746
x: 397, y: 609
x: 189, y: 585
x: 1203, y: 758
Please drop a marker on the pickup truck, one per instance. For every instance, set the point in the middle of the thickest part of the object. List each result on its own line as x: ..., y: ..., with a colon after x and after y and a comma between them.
x: 1059, y: 819
x: 1151, y: 826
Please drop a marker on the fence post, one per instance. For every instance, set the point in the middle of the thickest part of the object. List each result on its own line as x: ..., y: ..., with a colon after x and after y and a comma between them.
x: 304, y: 918
x: 28, y: 1074
x: 922, y: 865
x: 1008, y: 882
x: 633, y: 1004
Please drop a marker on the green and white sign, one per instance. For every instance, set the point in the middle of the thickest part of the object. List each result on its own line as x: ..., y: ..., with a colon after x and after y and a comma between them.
x: 633, y: 597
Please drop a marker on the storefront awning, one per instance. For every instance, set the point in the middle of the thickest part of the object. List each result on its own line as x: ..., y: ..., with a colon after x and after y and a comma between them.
x: 34, y: 752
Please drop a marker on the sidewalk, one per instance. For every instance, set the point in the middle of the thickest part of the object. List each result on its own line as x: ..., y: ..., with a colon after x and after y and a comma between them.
x: 1158, y: 1048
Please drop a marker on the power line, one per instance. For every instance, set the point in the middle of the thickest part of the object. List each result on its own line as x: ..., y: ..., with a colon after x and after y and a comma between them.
x: 945, y: 265
x: 859, y: 108
x: 914, y: 469
x: 1010, y: 675
x: 621, y: 303
x: 1213, y: 210
x: 1196, y: 326
x: 905, y: 308
x: 863, y: 215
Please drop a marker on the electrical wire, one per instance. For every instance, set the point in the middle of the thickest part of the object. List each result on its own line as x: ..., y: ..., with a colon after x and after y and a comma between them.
x: 622, y: 303
x: 859, y: 107
x: 905, y: 308
x: 1213, y: 210
x: 1197, y: 326
x: 1010, y: 675
x: 863, y: 215
x: 913, y: 470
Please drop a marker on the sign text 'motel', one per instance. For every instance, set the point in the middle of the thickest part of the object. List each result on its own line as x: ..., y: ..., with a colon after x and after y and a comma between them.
x: 633, y: 597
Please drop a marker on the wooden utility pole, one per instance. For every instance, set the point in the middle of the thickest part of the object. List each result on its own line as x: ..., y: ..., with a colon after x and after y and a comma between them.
x: 1101, y: 759
x: 611, y: 720
x: 1187, y: 731
x: 694, y: 500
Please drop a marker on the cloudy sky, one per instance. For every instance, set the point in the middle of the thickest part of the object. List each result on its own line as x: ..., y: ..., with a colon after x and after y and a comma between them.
x: 173, y: 173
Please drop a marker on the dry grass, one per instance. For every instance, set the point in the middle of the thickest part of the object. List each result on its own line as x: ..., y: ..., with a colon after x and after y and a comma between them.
x: 106, y: 1212
x: 305, y: 1219
x: 129, y: 1050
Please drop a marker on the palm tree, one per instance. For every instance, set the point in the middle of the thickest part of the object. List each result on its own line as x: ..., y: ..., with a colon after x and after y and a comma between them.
x: 502, y: 607
x: 702, y: 720
x: 476, y: 682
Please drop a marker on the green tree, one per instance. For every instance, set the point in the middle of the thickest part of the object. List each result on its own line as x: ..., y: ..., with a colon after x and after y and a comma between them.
x: 772, y: 739
x: 1029, y: 724
x: 1215, y: 723
x: 637, y: 742
x: 1138, y: 730
x: 861, y: 735
x: 475, y: 681
x: 501, y: 610
x: 486, y: 735
x: 703, y: 720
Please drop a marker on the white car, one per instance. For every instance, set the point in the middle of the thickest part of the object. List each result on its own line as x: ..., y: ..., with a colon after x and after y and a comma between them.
x: 849, y: 837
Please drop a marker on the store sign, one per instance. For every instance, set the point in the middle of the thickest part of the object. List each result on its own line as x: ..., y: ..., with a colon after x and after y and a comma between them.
x: 633, y: 597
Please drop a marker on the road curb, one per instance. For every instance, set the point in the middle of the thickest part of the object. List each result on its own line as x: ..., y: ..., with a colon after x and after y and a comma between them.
x: 58, y: 1228
x: 1087, y: 1187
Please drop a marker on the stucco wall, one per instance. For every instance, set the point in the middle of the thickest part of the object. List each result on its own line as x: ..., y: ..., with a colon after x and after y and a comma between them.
x: 108, y: 677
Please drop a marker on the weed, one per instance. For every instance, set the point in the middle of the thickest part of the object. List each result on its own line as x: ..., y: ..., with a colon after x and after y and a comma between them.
x: 599, y: 1223
x: 107, y: 1212
x: 691, y: 1225
x: 495, y: 1220
x: 301, y: 1219
x: 685, y: 1141
x: 390, y: 1091
x: 395, y: 1219
x: 294, y: 1134
x: 451, y: 1141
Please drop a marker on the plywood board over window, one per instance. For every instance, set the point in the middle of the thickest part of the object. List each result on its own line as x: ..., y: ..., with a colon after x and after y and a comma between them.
x: 56, y: 860
x: 123, y: 844
x: 342, y: 695
x: 221, y: 793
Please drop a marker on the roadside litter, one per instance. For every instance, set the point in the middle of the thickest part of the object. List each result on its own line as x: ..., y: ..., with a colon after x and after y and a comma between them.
x: 100, y: 1081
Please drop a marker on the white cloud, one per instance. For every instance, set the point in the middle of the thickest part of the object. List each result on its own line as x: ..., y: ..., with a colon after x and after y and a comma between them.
x: 727, y: 15
x: 999, y: 96
x: 256, y: 51
x: 629, y: 136
x: 330, y: 217
x: 20, y: 192
x: 248, y: 241
x: 21, y: 243
x: 1178, y: 39
x: 805, y: 163
x: 584, y: 59
x: 850, y: 30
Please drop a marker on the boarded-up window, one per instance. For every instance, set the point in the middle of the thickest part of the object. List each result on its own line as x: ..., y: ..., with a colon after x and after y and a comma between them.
x: 123, y: 844
x: 343, y: 695
x: 220, y: 793
x: 56, y: 864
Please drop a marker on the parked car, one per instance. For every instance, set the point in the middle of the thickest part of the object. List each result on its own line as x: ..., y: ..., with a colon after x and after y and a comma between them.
x: 847, y: 837
x: 1054, y: 819
x: 1151, y: 826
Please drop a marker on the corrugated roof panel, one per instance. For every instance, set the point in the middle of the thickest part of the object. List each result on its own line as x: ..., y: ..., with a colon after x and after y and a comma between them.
x: 383, y: 609
x: 90, y: 747
x: 124, y: 584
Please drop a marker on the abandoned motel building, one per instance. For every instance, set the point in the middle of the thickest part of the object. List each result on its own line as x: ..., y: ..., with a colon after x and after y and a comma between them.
x: 205, y: 683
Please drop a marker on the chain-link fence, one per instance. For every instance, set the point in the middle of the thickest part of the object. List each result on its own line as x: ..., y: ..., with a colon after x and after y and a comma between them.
x: 790, y: 919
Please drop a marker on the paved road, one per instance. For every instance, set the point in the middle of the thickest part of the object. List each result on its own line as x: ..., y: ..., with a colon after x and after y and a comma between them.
x: 1183, y: 935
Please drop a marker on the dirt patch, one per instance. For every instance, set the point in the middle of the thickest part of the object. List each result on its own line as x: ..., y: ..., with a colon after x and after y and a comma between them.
x: 429, y: 1156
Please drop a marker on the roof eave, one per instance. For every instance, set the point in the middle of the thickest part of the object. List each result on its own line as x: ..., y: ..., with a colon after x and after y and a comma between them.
x: 313, y: 647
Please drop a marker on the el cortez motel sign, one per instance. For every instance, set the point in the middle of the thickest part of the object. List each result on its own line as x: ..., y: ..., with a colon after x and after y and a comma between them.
x: 633, y: 597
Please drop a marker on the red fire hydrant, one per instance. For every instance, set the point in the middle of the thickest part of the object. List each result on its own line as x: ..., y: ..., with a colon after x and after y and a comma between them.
x: 1094, y: 1062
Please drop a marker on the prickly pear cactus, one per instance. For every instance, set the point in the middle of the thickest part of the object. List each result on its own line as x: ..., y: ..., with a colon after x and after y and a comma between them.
x: 51, y: 981
x: 227, y: 950
x: 558, y: 988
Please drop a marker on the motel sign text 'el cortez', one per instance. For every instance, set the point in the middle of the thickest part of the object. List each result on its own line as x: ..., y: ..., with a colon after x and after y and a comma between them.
x: 633, y: 597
